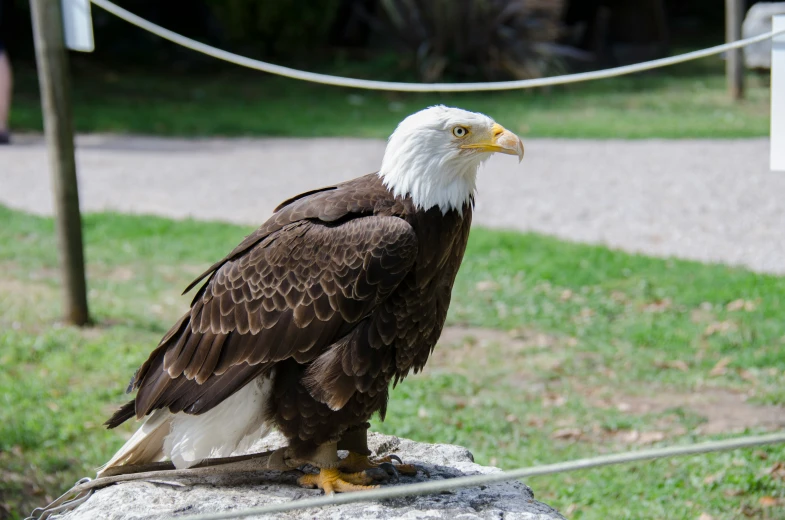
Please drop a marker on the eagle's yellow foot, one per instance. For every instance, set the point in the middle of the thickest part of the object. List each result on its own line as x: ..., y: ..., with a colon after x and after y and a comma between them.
x: 355, y: 462
x: 335, y: 481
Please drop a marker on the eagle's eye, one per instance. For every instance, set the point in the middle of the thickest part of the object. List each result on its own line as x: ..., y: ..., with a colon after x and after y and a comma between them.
x: 460, y: 131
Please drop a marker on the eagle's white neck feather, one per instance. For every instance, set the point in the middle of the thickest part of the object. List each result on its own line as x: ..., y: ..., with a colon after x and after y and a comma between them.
x: 423, y: 161
x: 430, y: 179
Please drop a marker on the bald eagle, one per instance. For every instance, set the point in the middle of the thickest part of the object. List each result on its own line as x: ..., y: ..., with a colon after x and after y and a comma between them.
x: 304, y: 325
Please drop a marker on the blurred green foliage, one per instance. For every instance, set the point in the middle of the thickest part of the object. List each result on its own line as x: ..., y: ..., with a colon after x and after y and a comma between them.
x: 283, y: 27
x: 690, y: 101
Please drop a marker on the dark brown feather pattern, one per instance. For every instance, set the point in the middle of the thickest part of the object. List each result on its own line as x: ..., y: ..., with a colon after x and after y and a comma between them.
x: 342, y: 291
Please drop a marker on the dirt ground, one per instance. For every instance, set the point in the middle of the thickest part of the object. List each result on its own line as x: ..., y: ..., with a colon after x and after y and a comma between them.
x: 719, y: 410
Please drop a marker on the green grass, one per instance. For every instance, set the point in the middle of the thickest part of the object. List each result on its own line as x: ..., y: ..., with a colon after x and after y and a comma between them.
x: 595, y: 329
x: 684, y: 101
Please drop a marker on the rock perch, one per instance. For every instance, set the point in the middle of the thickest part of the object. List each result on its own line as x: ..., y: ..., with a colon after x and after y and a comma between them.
x: 508, y: 500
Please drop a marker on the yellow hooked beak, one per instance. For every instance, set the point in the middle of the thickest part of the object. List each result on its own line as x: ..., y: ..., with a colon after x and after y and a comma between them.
x: 502, y: 141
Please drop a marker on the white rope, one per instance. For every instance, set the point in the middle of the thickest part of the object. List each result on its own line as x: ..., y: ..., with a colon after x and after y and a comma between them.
x: 338, y: 81
x: 437, y: 486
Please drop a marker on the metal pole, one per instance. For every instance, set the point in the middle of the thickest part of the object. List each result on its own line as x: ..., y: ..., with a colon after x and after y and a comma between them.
x: 734, y: 66
x: 52, y: 62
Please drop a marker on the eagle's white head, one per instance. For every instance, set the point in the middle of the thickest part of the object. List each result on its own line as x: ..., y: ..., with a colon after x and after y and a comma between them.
x: 435, y: 153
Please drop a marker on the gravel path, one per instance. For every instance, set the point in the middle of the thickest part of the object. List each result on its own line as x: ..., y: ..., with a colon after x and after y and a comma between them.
x: 704, y: 200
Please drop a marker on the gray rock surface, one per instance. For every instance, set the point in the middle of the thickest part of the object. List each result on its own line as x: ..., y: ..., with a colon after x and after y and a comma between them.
x: 141, y: 500
x: 758, y: 21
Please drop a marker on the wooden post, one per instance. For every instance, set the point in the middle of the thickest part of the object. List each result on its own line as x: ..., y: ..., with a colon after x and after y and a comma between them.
x: 734, y: 64
x: 777, y: 145
x: 52, y: 63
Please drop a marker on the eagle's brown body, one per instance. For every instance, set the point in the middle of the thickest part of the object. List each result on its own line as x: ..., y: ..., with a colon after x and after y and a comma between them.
x: 343, y: 291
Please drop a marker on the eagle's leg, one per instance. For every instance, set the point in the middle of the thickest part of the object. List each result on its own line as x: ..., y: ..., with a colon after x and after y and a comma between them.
x: 330, y: 478
x: 355, y: 441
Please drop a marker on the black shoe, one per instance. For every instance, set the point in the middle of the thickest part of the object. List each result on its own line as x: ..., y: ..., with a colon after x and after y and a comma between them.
x: 5, y: 138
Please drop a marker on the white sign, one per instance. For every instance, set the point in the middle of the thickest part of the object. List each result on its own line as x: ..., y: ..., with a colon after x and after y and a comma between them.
x: 78, y: 25
x: 778, y: 95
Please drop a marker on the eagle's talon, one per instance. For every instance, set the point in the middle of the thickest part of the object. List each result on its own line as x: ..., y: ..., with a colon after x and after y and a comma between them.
x: 377, y: 474
x: 401, y: 468
x: 394, y: 457
x: 390, y: 469
x: 355, y: 462
x: 410, y: 470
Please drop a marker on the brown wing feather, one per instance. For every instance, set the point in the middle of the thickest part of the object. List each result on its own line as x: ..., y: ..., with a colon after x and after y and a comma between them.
x: 291, y: 295
x: 327, y: 204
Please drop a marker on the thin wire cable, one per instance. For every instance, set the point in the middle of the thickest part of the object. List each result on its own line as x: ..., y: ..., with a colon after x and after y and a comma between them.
x: 338, y: 81
x: 437, y: 486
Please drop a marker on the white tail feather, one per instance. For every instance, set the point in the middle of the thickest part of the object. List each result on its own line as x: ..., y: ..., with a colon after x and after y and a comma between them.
x: 146, y: 445
x: 218, y: 432
x: 187, y: 439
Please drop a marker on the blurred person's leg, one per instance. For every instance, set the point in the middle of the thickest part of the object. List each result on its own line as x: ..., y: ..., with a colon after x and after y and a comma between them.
x: 5, y: 79
x: 5, y: 94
